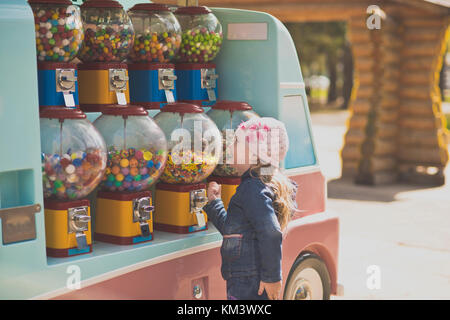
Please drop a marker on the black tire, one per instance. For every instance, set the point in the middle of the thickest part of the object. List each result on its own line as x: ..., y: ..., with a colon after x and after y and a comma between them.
x: 305, y: 261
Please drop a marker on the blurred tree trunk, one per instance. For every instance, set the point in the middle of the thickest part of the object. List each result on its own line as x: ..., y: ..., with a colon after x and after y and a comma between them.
x: 348, y: 75
x: 332, y: 73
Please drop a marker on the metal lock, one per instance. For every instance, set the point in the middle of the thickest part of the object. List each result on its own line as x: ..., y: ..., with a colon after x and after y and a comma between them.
x: 118, y: 80
x: 197, y: 200
x: 78, y: 222
x: 142, y: 211
x: 208, y: 78
x: 65, y: 80
x: 166, y: 79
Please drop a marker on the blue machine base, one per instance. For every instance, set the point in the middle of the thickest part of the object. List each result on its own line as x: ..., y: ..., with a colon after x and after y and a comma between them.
x: 189, y: 87
x: 144, y: 89
x: 47, y: 89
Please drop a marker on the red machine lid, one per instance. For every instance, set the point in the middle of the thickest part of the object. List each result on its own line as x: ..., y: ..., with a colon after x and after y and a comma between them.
x: 51, y: 1
x: 101, y: 4
x: 120, y: 110
x: 150, y: 66
x: 64, y: 205
x: 225, y: 180
x: 151, y: 7
x: 180, y: 187
x: 193, y: 10
x: 231, y: 105
x: 123, y: 196
x: 182, y: 107
x: 55, y: 65
x: 194, y: 66
x: 61, y: 113
x: 101, y: 65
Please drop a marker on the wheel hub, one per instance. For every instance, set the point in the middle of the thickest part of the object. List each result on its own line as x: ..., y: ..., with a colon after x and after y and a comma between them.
x: 303, y: 291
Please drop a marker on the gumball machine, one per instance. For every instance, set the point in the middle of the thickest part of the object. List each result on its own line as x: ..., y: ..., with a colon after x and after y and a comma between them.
x: 137, y: 153
x: 109, y: 35
x: 193, y: 153
x: 59, y: 35
x: 73, y: 163
x: 228, y: 115
x: 157, y: 42
x: 200, y: 42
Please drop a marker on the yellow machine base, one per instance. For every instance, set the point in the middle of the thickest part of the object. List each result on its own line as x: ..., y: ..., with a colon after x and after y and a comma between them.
x: 59, y: 242
x: 114, y: 220
x: 94, y: 90
x: 172, y: 212
x: 228, y: 190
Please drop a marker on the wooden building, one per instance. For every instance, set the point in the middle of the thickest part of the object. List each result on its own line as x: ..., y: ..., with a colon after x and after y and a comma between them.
x: 396, y: 129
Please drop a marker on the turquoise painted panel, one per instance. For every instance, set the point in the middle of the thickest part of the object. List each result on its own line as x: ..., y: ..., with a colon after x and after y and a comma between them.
x: 256, y: 71
x: 20, y: 163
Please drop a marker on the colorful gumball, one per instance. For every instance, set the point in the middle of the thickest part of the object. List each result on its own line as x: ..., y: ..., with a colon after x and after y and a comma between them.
x: 59, y: 31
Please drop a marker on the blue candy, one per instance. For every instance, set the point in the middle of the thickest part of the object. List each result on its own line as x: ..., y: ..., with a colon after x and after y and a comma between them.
x: 77, y: 162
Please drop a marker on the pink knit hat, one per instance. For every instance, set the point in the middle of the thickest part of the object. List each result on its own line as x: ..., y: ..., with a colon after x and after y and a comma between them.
x: 267, y: 138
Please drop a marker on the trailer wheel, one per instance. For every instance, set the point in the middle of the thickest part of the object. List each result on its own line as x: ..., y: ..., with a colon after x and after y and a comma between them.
x: 308, y: 279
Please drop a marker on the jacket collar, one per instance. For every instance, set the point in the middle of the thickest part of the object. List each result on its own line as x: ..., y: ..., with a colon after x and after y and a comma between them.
x: 246, y: 175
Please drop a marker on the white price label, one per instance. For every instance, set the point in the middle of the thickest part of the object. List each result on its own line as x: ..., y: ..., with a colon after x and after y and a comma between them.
x: 169, y: 96
x: 211, y: 95
x: 69, y: 100
x: 121, y: 98
x: 200, y: 219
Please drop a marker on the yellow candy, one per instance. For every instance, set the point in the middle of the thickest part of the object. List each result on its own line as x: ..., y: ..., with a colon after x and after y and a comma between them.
x: 55, y: 16
x: 119, y: 177
x: 148, y: 156
x: 124, y: 163
x: 61, y: 189
x: 75, y: 32
x: 108, y: 171
x: 73, y: 156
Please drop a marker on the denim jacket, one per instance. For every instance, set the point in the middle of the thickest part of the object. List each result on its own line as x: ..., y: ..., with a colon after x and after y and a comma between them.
x: 251, y: 232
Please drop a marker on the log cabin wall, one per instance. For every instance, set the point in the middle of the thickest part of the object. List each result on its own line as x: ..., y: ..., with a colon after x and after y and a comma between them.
x: 396, y: 129
x: 422, y: 133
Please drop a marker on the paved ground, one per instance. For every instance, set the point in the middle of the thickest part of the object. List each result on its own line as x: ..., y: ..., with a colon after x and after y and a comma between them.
x: 404, y: 230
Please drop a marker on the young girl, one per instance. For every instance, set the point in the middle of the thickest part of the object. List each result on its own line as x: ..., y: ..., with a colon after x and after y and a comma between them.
x: 257, y: 214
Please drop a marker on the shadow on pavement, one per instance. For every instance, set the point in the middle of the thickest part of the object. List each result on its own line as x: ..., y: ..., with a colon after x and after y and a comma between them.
x: 347, y: 189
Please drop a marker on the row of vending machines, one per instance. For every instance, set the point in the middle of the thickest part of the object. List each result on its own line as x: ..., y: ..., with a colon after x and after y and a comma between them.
x: 148, y: 58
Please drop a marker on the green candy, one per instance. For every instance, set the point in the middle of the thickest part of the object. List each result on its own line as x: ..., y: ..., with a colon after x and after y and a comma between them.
x: 58, y: 184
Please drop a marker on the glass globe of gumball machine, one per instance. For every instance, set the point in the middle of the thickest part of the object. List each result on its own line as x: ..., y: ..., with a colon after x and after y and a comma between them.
x: 59, y: 36
x: 137, y: 153
x: 228, y: 115
x: 200, y: 43
x: 109, y: 35
x: 157, y: 42
x: 73, y: 163
x: 193, y: 152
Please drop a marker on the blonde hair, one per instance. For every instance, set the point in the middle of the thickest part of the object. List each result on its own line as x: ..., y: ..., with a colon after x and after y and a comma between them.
x: 284, y: 190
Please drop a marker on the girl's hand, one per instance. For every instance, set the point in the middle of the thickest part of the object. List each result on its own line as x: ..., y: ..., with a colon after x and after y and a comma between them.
x: 273, y: 289
x: 214, y: 191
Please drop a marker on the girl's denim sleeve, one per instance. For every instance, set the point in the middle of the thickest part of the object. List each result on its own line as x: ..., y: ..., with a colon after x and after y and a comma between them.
x: 216, y: 213
x: 259, y: 210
